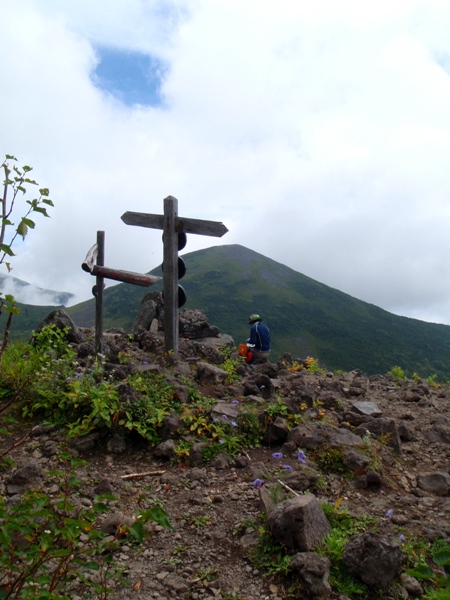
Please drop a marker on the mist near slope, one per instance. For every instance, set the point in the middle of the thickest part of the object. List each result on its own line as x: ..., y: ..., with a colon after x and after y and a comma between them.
x: 27, y: 293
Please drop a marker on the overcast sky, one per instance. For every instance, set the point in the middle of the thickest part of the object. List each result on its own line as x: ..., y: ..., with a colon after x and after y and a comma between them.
x: 317, y: 132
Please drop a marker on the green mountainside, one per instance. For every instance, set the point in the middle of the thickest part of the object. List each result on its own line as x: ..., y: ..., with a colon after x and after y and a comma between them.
x: 306, y: 318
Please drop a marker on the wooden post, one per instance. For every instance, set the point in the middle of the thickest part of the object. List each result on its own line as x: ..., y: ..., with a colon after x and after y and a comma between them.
x: 170, y: 266
x: 99, y: 294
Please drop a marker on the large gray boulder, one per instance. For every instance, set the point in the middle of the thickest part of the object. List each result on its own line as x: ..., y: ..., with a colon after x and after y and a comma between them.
x: 194, y: 324
x: 210, y: 374
x: 313, y: 571
x: 25, y: 477
x: 437, y: 483
x: 312, y: 435
x: 150, y: 315
x: 61, y: 320
x: 374, y: 558
x: 299, y: 523
x: 384, y: 429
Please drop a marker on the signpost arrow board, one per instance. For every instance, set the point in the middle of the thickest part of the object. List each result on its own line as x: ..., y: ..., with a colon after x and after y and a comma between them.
x: 182, y: 225
x: 172, y: 225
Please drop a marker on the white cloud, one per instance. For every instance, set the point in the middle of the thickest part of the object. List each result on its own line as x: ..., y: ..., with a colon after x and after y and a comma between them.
x: 317, y: 132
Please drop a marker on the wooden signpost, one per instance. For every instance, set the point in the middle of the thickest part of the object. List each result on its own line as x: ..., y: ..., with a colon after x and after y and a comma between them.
x: 174, y: 229
x: 93, y: 264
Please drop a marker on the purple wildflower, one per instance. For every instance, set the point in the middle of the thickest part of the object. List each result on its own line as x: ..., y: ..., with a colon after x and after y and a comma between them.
x: 301, y: 456
x: 215, y: 420
x: 258, y: 482
x: 402, y: 538
x: 224, y: 417
x: 234, y: 424
x: 235, y: 401
x: 145, y: 362
x: 221, y: 441
x: 389, y: 513
x: 277, y: 455
x: 288, y: 468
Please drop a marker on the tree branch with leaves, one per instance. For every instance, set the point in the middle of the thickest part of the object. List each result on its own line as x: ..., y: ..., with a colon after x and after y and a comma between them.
x: 14, y: 187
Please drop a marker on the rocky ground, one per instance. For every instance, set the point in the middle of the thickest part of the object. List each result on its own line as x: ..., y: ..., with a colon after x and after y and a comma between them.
x: 394, y: 441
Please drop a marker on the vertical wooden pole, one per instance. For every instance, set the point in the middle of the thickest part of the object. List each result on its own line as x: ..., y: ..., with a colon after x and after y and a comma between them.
x: 99, y: 295
x: 170, y: 266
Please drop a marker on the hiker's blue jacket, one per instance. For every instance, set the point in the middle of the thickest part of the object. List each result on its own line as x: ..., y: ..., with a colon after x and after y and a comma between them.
x: 260, y: 337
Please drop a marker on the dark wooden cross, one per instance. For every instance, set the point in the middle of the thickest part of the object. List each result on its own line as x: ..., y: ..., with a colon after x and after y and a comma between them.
x: 173, y: 227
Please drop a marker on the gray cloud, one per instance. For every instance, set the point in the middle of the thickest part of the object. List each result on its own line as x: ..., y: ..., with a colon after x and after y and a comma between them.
x: 317, y: 132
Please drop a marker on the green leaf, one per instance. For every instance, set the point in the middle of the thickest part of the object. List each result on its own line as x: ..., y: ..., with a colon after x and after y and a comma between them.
x: 442, y: 558
x: 44, y: 191
x: 15, y: 310
x: 100, y: 507
x: 6, y: 249
x: 22, y: 229
x: 137, y: 530
x: 107, y: 496
x: 422, y: 572
x: 158, y: 515
x: 47, y: 201
x: 41, y: 210
x: 28, y: 222
x: 437, y: 595
x: 10, y: 157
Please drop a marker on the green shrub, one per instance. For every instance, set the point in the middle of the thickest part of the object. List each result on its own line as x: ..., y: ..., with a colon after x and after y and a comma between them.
x: 51, y: 547
x: 435, y: 578
x: 398, y: 373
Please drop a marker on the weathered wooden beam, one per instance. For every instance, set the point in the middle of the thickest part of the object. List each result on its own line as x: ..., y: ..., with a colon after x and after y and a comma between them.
x: 143, y: 220
x: 182, y: 224
x: 124, y: 276
x: 170, y: 266
x: 99, y: 295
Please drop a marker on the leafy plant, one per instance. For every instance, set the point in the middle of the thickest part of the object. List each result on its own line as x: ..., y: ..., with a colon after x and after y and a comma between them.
x: 398, y: 373
x: 343, y: 525
x: 372, y: 447
x: 14, y: 183
x: 201, y: 521
x: 432, y: 381
x: 45, y: 543
x: 312, y: 364
x: 435, y: 577
x: 329, y: 459
x: 277, y: 408
x: 269, y: 555
x: 229, y: 365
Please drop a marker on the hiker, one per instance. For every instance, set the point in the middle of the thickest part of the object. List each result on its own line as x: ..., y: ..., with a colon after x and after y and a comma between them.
x: 259, y: 341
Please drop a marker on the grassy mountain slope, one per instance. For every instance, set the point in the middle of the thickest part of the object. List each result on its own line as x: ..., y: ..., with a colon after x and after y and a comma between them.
x: 305, y: 317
